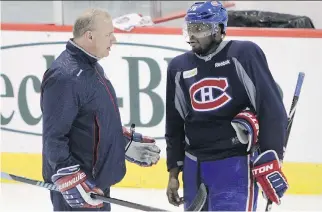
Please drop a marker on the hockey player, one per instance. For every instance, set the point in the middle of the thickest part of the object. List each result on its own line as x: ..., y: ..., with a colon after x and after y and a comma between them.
x: 84, y: 143
x: 221, y: 98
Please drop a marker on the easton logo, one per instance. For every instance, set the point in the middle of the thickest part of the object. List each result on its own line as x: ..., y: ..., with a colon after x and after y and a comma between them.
x: 203, y: 97
x: 262, y: 169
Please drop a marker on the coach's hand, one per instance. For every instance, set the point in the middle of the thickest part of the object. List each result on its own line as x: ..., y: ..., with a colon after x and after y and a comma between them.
x: 76, y: 188
x: 142, y: 150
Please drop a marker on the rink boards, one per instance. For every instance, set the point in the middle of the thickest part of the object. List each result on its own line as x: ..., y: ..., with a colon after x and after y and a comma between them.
x: 137, y: 68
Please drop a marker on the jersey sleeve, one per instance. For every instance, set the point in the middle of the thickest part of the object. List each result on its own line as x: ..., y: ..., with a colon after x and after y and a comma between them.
x: 174, y: 132
x: 59, y: 104
x: 265, y: 98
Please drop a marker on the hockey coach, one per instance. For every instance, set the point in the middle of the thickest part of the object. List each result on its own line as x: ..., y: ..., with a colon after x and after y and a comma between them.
x: 84, y: 143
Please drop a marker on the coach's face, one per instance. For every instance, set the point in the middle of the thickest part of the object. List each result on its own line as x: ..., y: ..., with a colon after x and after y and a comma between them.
x: 103, y: 36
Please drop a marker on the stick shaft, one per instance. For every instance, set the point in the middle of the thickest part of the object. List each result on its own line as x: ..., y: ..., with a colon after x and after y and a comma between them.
x: 291, y: 115
x: 53, y: 187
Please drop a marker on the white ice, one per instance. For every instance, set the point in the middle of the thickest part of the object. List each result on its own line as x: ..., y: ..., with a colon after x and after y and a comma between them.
x: 19, y: 197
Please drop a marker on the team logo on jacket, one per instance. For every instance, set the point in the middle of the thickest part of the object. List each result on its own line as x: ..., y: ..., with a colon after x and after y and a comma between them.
x: 209, y: 94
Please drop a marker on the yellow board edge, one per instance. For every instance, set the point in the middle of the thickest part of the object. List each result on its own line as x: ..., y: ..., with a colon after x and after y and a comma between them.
x: 304, y: 178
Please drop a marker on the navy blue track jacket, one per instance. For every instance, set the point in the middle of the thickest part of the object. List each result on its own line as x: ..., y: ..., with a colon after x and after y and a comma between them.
x: 81, y: 120
x: 205, y: 94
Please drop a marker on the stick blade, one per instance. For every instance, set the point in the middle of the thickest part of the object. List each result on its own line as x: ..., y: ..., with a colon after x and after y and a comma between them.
x: 299, y: 83
x: 6, y: 176
x: 200, y: 199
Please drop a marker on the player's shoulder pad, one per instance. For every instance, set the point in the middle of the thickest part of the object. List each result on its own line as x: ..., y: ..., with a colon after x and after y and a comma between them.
x: 246, y: 47
x: 244, y: 43
x: 181, y: 62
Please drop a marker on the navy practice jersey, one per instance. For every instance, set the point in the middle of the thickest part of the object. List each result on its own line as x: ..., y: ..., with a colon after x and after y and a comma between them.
x: 205, y: 93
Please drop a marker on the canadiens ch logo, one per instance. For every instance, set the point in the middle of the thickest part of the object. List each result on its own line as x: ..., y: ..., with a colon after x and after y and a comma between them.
x: 203, y: 97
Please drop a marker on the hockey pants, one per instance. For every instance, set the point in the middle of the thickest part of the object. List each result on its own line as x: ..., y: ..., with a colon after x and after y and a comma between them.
x: 60, y: 204
x: 229, y: 183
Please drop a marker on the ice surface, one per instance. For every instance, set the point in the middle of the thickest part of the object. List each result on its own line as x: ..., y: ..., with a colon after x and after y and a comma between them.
x: 19, y: 197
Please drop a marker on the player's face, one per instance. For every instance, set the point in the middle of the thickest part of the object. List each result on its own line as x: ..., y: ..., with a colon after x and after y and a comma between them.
x: 203, y: 37
x: 103, y: 37
x: 199, y: 45
x: 206, y: 45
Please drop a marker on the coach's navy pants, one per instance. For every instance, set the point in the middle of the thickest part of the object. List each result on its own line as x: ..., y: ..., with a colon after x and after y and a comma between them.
x: 229, y: 183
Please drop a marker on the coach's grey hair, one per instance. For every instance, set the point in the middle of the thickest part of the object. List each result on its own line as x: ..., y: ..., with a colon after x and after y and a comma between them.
x: 86, y: 21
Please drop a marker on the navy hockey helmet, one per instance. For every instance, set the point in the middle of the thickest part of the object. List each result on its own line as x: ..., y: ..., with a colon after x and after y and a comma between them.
x: 203, y: 19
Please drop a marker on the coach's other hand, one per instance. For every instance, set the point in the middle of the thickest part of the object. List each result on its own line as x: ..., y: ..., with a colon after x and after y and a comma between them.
x: 142, y: 150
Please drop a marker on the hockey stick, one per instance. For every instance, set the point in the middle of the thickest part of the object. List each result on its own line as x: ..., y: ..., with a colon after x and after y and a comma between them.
x: 199, y: 200
x: 94, y: 196
x: 291, y: 115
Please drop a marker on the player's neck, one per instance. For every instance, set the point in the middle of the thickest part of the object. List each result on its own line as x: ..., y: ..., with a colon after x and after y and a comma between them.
x: 213, y: 47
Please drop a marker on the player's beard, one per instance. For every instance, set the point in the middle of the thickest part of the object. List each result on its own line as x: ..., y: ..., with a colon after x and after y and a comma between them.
x: 197, y: 50
x: 211, y: 48
x: 204, y: 47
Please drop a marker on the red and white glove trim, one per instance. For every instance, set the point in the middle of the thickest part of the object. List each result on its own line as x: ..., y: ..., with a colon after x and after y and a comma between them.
x: 246, y: 126
x: 269, y: 176
x: 142, y: 151
x: 76, y: 188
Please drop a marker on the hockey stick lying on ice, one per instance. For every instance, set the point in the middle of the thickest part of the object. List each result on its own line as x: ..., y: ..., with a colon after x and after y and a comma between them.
x: 291, y: 115
x: 94, y: 196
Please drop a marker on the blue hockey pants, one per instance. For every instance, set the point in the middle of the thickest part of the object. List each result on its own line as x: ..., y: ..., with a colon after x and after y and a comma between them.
x: 229, y: 183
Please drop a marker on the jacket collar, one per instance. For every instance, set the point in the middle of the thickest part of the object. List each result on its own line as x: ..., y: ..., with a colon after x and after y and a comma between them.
x: 74, y: 49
